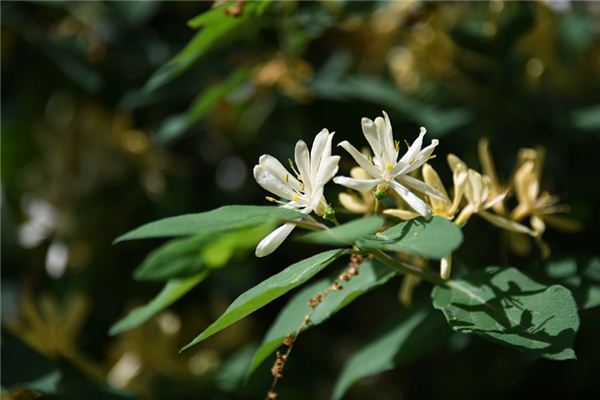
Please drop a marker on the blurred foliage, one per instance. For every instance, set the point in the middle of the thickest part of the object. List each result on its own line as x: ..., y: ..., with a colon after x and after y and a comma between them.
x: 119, y: 113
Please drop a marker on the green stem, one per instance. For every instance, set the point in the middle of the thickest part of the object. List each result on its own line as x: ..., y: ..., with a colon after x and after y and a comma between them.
x: 377, y: 205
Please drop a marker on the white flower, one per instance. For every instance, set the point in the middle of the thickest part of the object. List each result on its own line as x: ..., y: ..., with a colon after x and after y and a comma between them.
x: 385, y: 167
x: 303, y: 192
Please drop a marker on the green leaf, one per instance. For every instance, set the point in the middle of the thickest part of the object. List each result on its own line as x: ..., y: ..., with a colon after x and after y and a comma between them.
x: 346, y: 233
x: 372, y: 274
x: 231, y: 374
x: 188, y: 256
x: 173, y: 290
x: 218, y: 29
x: 268, y: 290
x: 432, y: 239
x: 416, y: 333
x: 507, y: 307
x: 220, y: 220
x: 582, y: 278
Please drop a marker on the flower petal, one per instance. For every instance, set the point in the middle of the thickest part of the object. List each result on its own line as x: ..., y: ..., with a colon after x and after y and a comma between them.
x: 386, y: 139
x: 370, y: 131
x: 421, y: 187
x: 362, y: 185
x: 320, y: 150
x: 327, y: 170
x: 422, y: 157
x: 411, y: 199
x: 360, y: 159
x: 302, y: 158
x: 504, y: 223
x: 276, y: 168
x: 268, y: 181
x: 414, y: 149
x: 273, y: 240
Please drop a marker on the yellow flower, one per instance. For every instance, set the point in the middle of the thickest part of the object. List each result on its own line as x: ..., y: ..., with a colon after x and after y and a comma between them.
x: 480, y: 198
x: 539, y: 207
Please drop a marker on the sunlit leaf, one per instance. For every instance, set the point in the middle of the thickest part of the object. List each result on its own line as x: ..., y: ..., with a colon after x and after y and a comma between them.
x: 433, y: 239
x: 173, y: 290
x: 409, y: 337
x: 507, y: 307
x: 372, y: 274
x: 268, y: 290
x: 347, y: 233
x: 222, y: 219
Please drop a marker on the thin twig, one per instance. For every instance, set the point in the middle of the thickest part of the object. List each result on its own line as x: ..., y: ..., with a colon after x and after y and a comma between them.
x: 314, y: 302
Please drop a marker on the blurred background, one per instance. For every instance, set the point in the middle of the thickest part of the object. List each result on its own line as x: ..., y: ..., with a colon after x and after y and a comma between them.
x: 119, y: 113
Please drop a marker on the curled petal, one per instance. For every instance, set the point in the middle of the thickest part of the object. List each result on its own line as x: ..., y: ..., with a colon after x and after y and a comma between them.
x: 273, y: 240
x: 321, y: 149
x: 301, y: 155
x: 272, y: 164
x: 421, y: 187
x: 371, y: 134
x: 362, y: 185
x: 507, y: 224
x: 360, y: 159
x: 268, y: 181
x: 411, y: 199
x: 422, y: 157
x: 414, y: 149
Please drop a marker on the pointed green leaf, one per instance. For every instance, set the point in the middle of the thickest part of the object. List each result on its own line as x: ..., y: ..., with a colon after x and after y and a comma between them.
x: 435, y: 238
x: 188, y: 256
x: 346, y: 233
x: 173, y: 290
x: 507, y: 307
x: 220, y: 220
x: 268, y: 290
x: 372, y: 274
x: 416, y: 333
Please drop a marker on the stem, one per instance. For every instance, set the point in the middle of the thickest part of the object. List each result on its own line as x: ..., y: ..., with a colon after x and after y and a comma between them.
x: 377, y: 205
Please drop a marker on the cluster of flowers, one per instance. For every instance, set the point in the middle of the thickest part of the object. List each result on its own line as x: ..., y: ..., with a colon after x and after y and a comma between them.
x: 382, y: 173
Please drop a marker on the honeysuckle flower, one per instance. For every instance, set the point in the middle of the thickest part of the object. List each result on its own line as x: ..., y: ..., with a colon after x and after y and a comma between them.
x: 353, y: 203
x: 302, y: 192
x: 489, y: 169
x: 479, y: 199
x: 385, y: 167
x: 539, y: 207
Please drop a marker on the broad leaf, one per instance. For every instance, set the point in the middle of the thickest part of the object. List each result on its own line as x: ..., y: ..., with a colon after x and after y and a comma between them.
x: 347, y: 233
x: 372, y: 274
x: 432, y: 239
x: 416, y: 333
x: 188, y: 256
x: 583, y: 278
x: 173, y: 290
x: 209, y: 223
x: 268, y: 290
x: 507, y: 307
